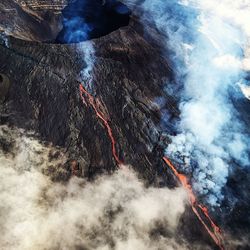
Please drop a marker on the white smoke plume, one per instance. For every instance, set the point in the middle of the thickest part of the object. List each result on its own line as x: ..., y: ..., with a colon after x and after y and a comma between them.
x: 86, y: 49
x: 207, y: 42
x: 113, y: 212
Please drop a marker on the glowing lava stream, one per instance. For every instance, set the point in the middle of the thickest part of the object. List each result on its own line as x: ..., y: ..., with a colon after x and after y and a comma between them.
x: 216, y: 234
x: 101, y: 116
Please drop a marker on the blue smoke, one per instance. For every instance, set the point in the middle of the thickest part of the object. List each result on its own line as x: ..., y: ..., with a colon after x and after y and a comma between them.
x: 206, y: 49
x: 87, y: 19
x: 76, y: 30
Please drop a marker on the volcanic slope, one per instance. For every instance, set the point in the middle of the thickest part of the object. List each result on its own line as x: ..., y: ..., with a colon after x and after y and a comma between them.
x: 128, y: 77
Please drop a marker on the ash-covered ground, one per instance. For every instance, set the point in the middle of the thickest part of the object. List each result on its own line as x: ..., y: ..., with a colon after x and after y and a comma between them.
x: 85, y: 170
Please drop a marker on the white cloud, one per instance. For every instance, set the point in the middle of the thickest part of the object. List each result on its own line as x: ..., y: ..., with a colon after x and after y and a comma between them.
x: 113, y: 212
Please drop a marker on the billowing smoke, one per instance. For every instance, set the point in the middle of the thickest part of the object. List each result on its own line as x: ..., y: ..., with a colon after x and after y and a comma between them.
x: 75, y: 26
x: 112, y: 212
x: 208, y: 45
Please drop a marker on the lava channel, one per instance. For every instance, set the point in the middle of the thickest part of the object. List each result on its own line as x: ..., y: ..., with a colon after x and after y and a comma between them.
x: 216, y: 233
x: 196, y: 207
x: 91, y: 100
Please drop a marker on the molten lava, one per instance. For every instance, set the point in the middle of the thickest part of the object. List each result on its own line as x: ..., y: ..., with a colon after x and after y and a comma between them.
x: 90, y: 99
x: 216, y: 233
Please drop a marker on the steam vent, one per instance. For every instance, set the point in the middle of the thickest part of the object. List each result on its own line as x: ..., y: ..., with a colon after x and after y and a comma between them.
x: 124, y: 125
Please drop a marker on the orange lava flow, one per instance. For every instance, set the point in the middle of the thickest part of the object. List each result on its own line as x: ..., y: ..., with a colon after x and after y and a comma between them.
x: 90, y: 99
x: 216, y: 233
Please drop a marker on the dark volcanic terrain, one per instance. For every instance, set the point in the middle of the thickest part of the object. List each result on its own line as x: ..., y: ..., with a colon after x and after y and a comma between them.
x: 39, y: 91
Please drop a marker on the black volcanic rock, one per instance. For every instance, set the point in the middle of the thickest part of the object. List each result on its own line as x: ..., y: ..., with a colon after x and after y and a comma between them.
x: 4, y: 87
x: 128, y: 76
x: 59, y: 22
x: 48, y: 101
x: 27, y: 21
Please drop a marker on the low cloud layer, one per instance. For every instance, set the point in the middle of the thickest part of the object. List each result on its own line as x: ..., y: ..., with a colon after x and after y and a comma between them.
x: 113, y: 212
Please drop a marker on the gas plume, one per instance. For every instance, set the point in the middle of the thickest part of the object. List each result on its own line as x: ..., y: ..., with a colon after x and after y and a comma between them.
x: 208, y: 46
x: 86, y: 49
